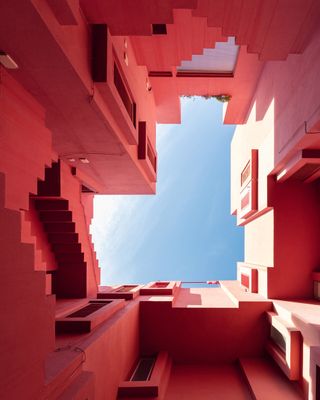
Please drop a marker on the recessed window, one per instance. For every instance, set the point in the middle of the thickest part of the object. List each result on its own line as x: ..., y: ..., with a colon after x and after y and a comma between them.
x: 89, y: 309
x: 159, y: 29
x: 143, y: 369
x: 127, y: 101
x: 278, y: 338
x: 160, y: 284
x: 125, y: 288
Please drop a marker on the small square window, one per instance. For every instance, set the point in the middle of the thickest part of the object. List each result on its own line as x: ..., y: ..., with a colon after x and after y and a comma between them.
x: 159, y: 29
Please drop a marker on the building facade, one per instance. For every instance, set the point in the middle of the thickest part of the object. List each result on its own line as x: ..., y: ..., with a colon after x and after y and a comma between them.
x: 82, y: 85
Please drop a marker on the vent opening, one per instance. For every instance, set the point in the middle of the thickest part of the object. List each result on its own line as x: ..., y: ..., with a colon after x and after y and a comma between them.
x: 159, y: 29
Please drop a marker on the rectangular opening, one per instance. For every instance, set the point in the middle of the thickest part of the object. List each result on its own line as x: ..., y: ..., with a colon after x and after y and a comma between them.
x: 99, y: 37
x: 151, y: 155
x: 317, y: 382
x: 127, y: 101
x: 160, y: 285
x: 165, y: 74
x: 278, y: 339
x: 88, y: 309
x: 245, y: 174
x: 145, y: 148
x: 143, y: 369
x: 159, y: 29
x: 125, y: 288
x: 307, y: 170
x: 316, y: 291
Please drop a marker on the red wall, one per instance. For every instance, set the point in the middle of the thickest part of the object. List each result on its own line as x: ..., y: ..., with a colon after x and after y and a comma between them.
x: 206, y: 382
x: 296, y: 239
x: 25, y: 142
x: 200, y: 335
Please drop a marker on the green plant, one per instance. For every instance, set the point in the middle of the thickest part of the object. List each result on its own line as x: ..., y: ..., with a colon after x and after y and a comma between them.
x: 223, y: 98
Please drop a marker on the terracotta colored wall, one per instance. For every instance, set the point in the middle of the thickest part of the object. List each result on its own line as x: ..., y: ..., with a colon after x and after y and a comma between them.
x: 296, y: 236
x: 206, y: 382
x: 112, y: 351
x: 203, y: 332
x: 25, y: 145
x: 32, y: 232
x: 27, y: 331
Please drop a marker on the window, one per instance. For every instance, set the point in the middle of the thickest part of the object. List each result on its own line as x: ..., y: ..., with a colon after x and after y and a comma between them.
x: 143, y: 369
x: 159, y: 29
x: 160, y: 284
x: 124, y: 95
x: 87, y: 310
x: 278, y: 338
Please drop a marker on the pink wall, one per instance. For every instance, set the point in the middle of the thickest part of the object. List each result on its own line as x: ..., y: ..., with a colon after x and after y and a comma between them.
x: 206, y: 382
x: 27, y: 332
x: 32, y: 232
x: 296, y: 237
x: 200, y: 334
x: 25, y: 142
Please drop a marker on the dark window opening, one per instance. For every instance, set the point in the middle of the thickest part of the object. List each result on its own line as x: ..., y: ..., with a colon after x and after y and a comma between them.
x: 129, y: 104
x: 86, y: 189
x: 143, y: 369
x: 159, y: 29
x: 317, y: 382
x: 278, y: 339
x: 99, y: 52
x: 165, y: 74
x: 306, y: 171
x: 152, y: 157
x: 87, y: 310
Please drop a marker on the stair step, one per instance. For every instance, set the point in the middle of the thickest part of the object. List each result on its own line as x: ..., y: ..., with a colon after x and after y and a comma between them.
x: 55, y: 216
x: 266, y: 380
x: 59, y: 227
x: 66, y: 248
x: 51, y: 204
x: 63, y: 237
x: 70, y: 257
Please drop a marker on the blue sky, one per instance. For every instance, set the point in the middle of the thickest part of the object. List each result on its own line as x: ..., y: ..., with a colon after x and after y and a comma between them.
x: 184, y: 232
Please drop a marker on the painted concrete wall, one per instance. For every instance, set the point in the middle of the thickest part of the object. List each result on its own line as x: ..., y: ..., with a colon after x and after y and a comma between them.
x: 206, y: 382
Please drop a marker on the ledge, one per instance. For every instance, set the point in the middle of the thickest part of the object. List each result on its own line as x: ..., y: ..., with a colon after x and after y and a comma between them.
x: 289, y: 361
x: 153, y: 387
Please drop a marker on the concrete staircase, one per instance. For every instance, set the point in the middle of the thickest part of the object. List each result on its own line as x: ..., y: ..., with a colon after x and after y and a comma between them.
x: 70, y: 279
x: 266, y: 381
